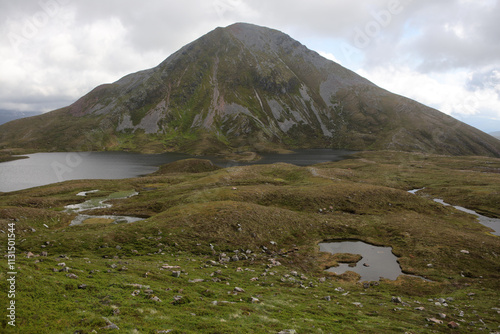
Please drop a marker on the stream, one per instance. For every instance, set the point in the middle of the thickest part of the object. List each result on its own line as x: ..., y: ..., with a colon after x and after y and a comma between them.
x: 100, y: 203
x: 493, y: 223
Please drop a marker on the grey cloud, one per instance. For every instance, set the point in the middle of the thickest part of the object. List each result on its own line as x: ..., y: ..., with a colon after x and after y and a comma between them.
x: 441, y: 48
x: 485, y: 79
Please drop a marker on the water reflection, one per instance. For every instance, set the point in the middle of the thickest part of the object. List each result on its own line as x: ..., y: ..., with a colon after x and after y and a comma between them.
x: 46, y: 168
x: 100, y: 203
x: 377, y: 262
x: 493, y: 223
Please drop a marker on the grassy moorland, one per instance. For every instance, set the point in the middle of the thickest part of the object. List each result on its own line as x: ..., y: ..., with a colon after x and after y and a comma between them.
x: 235, y: 250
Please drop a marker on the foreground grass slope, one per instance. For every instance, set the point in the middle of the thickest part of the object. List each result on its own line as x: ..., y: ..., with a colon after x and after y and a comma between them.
x: 235, y: 250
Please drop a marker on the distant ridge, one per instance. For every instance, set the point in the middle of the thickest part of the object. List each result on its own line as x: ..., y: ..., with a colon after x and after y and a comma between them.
x: 246, y: 88
x: 495, y: 134
x: 10, y: 115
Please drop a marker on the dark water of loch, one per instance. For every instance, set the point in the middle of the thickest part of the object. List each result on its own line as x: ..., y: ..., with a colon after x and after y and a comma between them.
x: 46, y: 168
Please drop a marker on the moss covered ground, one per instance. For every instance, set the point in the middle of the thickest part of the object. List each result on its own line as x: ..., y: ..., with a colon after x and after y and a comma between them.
x: 234, y: 250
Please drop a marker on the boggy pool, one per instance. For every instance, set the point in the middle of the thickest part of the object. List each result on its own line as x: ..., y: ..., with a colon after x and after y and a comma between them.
x: 377, y: 262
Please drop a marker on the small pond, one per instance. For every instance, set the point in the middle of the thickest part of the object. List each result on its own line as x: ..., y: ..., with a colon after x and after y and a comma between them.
x: 377, y: 262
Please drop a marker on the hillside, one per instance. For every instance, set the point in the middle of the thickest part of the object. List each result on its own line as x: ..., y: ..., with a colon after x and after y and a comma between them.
x: 235, y: 250
x: 245, y: 88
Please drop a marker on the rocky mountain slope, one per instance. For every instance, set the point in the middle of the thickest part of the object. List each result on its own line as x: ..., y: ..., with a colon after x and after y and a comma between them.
x: 245, y: 88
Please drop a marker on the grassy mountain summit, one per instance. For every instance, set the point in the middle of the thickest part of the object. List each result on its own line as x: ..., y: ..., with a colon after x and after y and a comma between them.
x: 246, y: 88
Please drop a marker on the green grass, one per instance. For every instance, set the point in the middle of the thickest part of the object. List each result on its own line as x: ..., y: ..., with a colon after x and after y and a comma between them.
x: 242, y: 209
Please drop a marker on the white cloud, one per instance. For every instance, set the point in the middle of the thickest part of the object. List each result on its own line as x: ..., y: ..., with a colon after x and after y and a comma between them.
x: 446, y: 92
x: 330, y: 56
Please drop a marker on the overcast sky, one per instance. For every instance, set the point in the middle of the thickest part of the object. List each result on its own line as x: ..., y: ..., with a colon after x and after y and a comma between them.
x: 445, y: 54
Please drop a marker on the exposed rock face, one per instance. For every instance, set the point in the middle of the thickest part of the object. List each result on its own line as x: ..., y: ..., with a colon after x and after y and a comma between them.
x: 249, y: 87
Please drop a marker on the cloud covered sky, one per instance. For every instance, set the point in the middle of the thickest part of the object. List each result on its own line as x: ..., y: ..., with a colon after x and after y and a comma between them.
x: 445, y: 54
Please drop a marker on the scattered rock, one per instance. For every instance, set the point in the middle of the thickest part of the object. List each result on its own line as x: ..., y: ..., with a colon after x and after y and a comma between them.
x: 44, y: 254
x: 442, y: 315
x: 196, y: 280
x: 357, y: 304
x: 82, y: 286
x: 166, y: 266
x: 62, y: 264
x: 328, y: 298
x: 72, y: 276
x: 420, y: 308
x: 180, y: 300
x: 464, y: 251
x: 110, y: 324
x: 288, y: 331
x: 396, y: 300
x: 453, y: 325
x: 176, y: 273
x: 366, y: 265
x: 136, y: 292
x: 222, y: 302
x: 434, y: 320
x: 30, y: 255
x: 156, y: 299
x: 254, y: 300
x: 236, y: 289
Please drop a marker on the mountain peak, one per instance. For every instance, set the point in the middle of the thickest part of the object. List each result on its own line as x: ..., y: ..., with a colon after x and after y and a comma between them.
x: 246, y: 87
x: 245, y: 25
